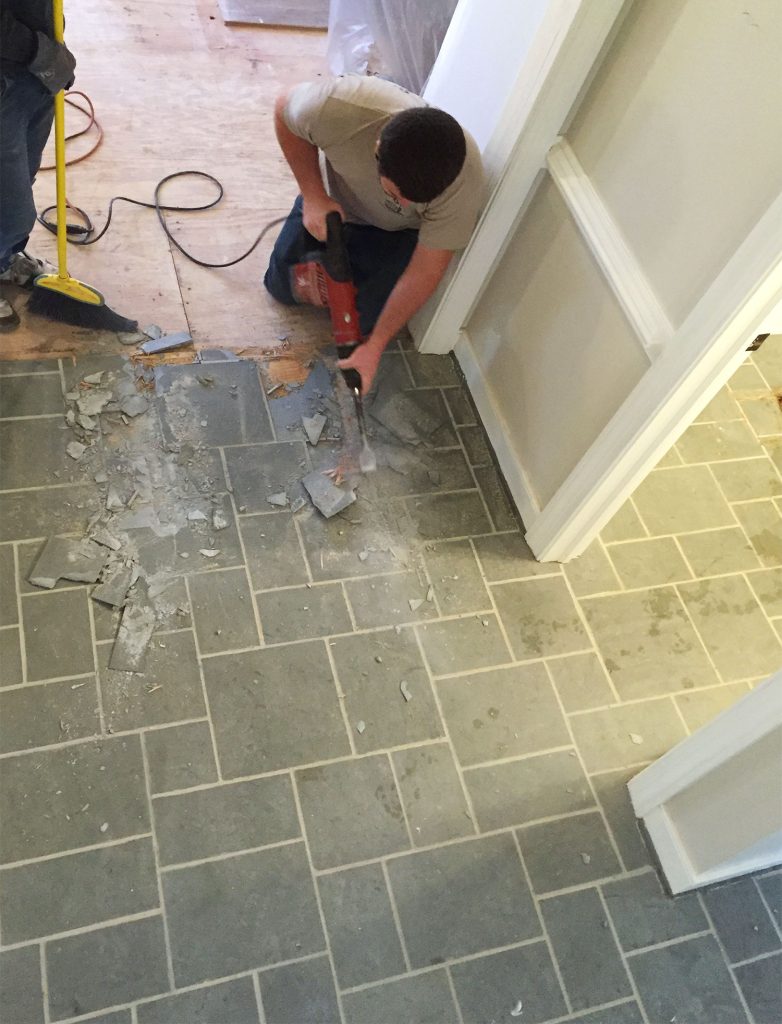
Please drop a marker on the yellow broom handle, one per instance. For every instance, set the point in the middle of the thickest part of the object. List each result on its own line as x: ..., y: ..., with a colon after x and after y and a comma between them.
x: 59, y: 151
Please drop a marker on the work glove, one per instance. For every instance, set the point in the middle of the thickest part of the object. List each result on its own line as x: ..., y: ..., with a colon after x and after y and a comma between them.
x: 53, y: 64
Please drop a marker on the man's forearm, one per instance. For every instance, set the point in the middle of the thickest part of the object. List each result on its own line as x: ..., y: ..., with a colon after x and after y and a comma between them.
x: 414, y: 287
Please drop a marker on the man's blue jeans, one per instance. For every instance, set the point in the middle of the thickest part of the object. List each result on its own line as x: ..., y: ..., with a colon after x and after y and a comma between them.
x: 377, y: 258
x: 26, y: 112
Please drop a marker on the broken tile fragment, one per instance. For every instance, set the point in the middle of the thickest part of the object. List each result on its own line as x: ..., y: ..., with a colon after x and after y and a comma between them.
x: 93, y: 402
x: 209, y: 552
x: 76, y: 449
x: 415, y: 603
x: 114, y: 589
x: 135, y: 631
x: 134, y: 405
x: 404, y: 418
x: 68, y: 559
x: 219, y: 521
x: 327, y: 498
x: 93, y: 378
x: 163, y: 343
x: 196, y: 516
x: 86, y: 422
x: 405, y: 691
x: 102, y: 536
x: 280, y: 499
x: 313, y: 427
x: 153, y: 331
x: 114, y: 502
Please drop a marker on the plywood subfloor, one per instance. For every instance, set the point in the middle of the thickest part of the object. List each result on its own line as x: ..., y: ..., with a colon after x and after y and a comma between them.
x: 176, y: 89
x: 301, y: 14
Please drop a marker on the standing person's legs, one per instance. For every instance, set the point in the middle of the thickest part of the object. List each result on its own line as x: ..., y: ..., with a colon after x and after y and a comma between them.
x: 26, y: 112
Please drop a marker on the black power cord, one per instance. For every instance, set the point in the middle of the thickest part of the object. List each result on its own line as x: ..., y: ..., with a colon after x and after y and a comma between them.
x: 84, y: 234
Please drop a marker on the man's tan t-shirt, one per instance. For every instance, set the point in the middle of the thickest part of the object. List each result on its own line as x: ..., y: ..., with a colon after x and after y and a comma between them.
x: 343, y: 117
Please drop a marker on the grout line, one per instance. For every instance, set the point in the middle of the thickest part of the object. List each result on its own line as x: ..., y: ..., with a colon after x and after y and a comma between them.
x: 47, y: 1012
x: 401, y: 802
x: 34, y: 374
x: 395, y: 912
x: 22, y: 637
x: 133, y: 1015
x: 33, y: 416
x: 706, y: 650
x: 70, y: 933
x: 166, y: 869
x: 10, y: 865
x: 721, y: 947
x: 447, y: 734
x: 770, y: 955
x: 302, y: 549
x: 678, y: 711
x: 94, y: 641
x: 246, y: 565
x: 341, y: 699
x: 622, y: 955
x: 641, y: 519
x: 348, y: 605
x: 156, y: 851
x: 543, y: 928
x: 777, y: 925
x: 324, y: 929
x: 203, y: 684
x: 258, y: 998
x: 753, y: 592
x: 459, y: 1017
x: 49, y: 682
x: 666, y: 943
x: 588, y: 630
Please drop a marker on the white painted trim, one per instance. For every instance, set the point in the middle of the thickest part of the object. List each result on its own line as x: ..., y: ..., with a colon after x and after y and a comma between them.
x: 703, y: 354
x: 566, y: 47
x: 677, y: 866
x: 497, y: 429
x: 614, y: 256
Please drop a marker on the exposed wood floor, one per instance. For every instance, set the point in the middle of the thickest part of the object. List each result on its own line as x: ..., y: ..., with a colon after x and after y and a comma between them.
x: 176, y: 89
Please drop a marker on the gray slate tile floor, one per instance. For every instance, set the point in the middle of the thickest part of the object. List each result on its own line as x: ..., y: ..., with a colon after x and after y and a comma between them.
x: 261, y: 829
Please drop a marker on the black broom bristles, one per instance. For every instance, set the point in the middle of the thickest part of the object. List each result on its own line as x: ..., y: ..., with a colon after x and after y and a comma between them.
x: 55, y: 306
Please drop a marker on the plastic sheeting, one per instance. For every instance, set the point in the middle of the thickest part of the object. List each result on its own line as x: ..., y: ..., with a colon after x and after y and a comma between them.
x: 395, y: 39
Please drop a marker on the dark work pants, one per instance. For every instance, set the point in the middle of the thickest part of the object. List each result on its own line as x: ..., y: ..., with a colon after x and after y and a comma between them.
x: 26, y: 112
x: 377, y: 258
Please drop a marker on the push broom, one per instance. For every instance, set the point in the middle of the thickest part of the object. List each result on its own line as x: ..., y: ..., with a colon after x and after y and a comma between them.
x: 60, y: 296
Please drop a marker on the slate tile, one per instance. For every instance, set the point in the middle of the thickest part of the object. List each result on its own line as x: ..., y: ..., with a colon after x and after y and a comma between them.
x: 680, y: 500
x: 747, y: 479
x: 37, y: 716
x: 30, y: 514
x: 760, y: 986
x: 570, y: 851
x: 79, y: 889
x: 238, y: 421
x: 239, y: 816
x: 625, y: 1013
x: 460, y: 406
x: 462, y: 899
x: 644, y: 915
x: 653, y: 562
x: 689, y: 981
x: 714, y: 442
x: 422, y: 999
x: 458, y: 645
x: 701, y: 706
x: 591, y: 965
x: 231, y: 1002
x: 190, y: 541
x: 119, y: 1017
x: 275, y: 708
x: 648, y: 642
x: 490, y: 987
x: 352, y: 811
x: 771, y: 887
x: 592, y: 572
x: 500, y: 504
x: 9, y: 612
x: 505, y: 713
x: 232, y: 915
x: 10, y: 657
x: 385, y: 600
x: 733, y: 627
x: 476, y: 444
x: 609, y: 738
x: 741, y: 920
x: 21, y: 996
x: 506, y: 556
x: 763, y: 524
x: 105, y: 967
x: 303, y: 612
x: 274, y: 555
x: 300, y: 993
x: 57, y: 635
x: 432, y: 794
x: 431, y: 402
x: 372, y: 692
x: 536, y: 787
x: 438, y: 516
x: 364, y: 940
x: 540, y: 618
x: 581, y: 682
x: 719, y: 551
x: 34, y: 801
x: 258, y: 471
x: 747, y: 378
x: 432, y: 370
x: 406, y: 471
x: 456, y: 577
x: 768, y: 362
x: 223, y: 611
x: 35, y: 395
x: 47, y: 438
x: 722, y: 407
x: 180, y: 756
x: 614, y: 798
x: 624, y: 525
x: 14, y: 367
x: 130, y: 700
x: 767, y: 586
x: 764, y: 414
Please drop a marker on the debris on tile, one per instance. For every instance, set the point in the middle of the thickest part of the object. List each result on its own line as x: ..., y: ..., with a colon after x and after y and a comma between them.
x: 219, y: 522
x: 70, y: 418
x: 153, y: 331
x: 101, y: 477
x: 280, y: 499
x: 86, y: 422
x: 104, y: 827
x: 93, y: 402
x: 196, y: 516
x: 114, y: 589
x: 209, y: 552
x: 80, y: 561
x: 408, y: 421
x: 398, y: 462
x: 102, y: 536
x: 275, y: 387
x: 313, y: 427
x: 135, y: 631
x: 327, y: 498
x: 132, y: 337
x: 114, y: 502
x: 360, y: 727
x: 405, y: 691
x: 76, y: 449
x: 297, y: 504
x: 93, y: 378
x: 517, y: 1010
x: 638, y: 740
x: 434, y: 476
x: 586, y: 858
x: 430, y: 594
x: 205, y: 382
x: 378, y: 659
x: 363, y: 556
x: 415, y: 603
x: 134, y: 405
x: 164, y: 343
